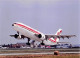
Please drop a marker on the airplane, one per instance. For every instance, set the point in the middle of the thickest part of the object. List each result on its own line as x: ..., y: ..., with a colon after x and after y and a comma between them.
x: 24, y: 31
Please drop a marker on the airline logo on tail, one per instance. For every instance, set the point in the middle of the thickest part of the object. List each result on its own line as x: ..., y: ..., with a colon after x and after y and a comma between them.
x: 56, y: 39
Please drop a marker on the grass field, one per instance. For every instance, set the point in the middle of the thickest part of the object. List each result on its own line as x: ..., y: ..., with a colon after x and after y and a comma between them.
x: 43, y: 56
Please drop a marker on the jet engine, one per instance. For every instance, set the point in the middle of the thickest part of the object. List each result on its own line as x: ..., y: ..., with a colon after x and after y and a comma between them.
x: 19, y: 36
x: 41, y: 36
x: 38, y: 35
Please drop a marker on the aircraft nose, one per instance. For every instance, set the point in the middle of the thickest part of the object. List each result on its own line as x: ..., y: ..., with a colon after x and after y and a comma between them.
x: 13, y: 24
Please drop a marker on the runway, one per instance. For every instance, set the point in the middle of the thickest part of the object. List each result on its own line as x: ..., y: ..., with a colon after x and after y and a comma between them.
x: 37, y: 51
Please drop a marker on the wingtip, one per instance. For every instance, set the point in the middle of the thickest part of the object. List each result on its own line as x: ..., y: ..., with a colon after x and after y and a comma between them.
x: 75, y: 35
x: 11, y: 35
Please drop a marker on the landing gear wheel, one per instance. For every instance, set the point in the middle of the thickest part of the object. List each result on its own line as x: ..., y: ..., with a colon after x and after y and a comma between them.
x: 42, y: 43
x: 28, y: 43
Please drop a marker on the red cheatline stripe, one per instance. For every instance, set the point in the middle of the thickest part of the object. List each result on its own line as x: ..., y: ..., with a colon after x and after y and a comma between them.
x: 26, y: 27
x: 52, y: 40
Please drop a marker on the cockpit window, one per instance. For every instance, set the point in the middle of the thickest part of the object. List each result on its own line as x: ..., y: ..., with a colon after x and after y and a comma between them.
x: 15, y: 23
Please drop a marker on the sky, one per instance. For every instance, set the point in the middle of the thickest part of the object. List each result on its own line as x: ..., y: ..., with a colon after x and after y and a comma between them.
x: 47, y: 16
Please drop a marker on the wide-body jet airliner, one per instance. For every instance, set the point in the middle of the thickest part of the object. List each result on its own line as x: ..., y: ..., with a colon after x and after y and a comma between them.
x: 24, y: 31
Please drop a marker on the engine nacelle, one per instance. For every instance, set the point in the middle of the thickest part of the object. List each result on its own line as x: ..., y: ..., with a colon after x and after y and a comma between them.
x: 38, y: 35
x: 18, y: 36
x: 41, y: 36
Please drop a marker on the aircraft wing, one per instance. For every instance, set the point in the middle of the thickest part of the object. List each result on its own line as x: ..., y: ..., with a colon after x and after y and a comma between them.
x: 63, y: 42
x: 60, y: 36
x: 22, y: 36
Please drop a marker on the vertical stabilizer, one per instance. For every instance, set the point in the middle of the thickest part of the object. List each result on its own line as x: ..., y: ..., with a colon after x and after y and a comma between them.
x: 59, y: 32
x: 54, y: 40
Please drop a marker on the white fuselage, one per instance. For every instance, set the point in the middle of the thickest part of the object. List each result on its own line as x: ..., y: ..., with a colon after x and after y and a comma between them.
x: 30, y: 33
x: 27, y: 32
x: 47, y: 42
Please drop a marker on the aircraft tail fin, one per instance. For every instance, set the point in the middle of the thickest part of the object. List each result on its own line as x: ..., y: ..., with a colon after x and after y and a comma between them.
x: 52, y: 41
x: 59, y: 32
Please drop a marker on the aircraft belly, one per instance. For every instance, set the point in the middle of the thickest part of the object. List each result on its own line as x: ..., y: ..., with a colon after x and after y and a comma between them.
x: 47, y: 42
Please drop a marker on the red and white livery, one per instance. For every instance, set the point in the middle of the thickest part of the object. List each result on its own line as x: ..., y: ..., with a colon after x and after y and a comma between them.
x: 24, y: 31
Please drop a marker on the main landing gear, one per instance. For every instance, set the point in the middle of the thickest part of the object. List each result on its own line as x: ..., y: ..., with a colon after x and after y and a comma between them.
x: 42, y: 43
x: 28, y: 41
